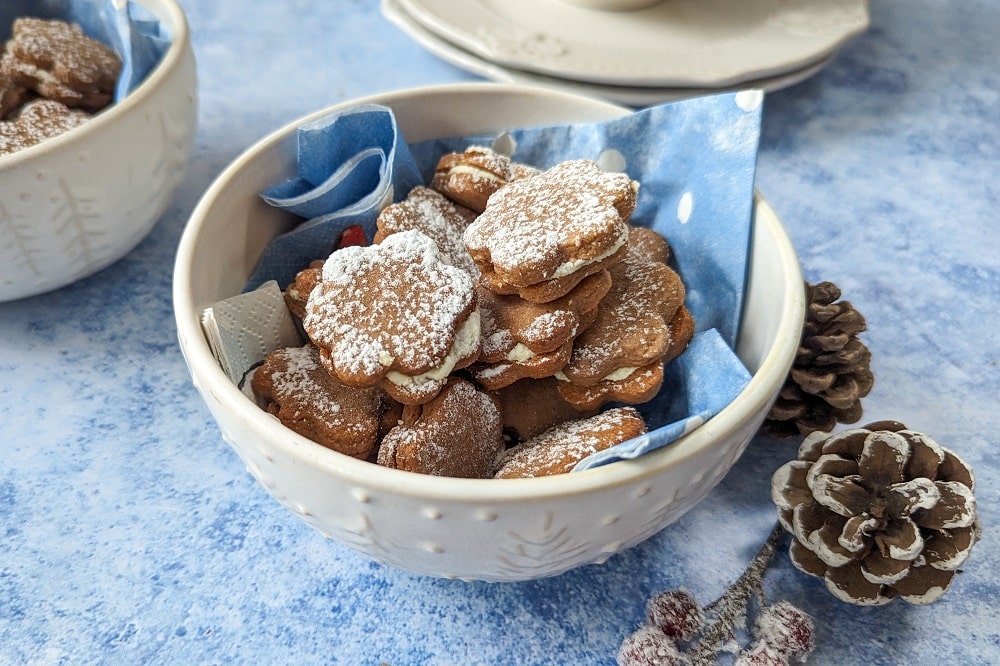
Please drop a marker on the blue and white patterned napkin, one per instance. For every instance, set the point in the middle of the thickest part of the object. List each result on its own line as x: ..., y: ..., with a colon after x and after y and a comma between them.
x: 132, y: 31
x: 695, y: 161
x: 350, y: 166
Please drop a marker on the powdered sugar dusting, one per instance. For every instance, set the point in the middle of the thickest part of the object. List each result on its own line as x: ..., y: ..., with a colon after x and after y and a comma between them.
x: 394, y: 305
x: 546, y: 324
x: 300, y: 392
x: 438, y: 218
x: 632, y: 326
x: 459, y: 436
x: 533, y: 226
x: 39, y: 120
x: 559, y: 448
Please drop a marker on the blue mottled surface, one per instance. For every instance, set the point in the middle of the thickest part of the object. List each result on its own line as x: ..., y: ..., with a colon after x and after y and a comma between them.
x: 130, y: 533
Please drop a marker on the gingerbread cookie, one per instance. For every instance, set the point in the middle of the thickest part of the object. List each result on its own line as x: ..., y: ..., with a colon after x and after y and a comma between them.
x: 306, y: 399
x: 514, y: 328
x: 495, y: 376
x: 296, y: 294
x: 394, y: 314
x: 59, y: 62
x: 631, y: 386
x: 458, y: 433
x: 540, y: 236
x: 633, y: 322
x: 648, y: 244
x: 437, y: 217
x: 12, y: 94
x: 471, y: 177
x: 38, y: 120
x: 560, y: 448
x: 532, y: 406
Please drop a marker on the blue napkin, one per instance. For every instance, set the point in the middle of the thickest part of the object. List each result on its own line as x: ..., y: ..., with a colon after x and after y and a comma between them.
x: 695, y: 161
x: 350, y: 165
x: 132, y: 31
x: 698, y: 385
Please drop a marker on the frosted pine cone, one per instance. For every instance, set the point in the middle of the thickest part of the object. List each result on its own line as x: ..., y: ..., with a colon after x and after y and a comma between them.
x: 831, y: 371
x: 878, y: 512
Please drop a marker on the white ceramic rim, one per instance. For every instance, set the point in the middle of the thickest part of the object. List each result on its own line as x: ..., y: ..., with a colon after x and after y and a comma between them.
x: 179, y: 38
x: 622, y: 94
x: 213, y: 380
x: 568, y: 41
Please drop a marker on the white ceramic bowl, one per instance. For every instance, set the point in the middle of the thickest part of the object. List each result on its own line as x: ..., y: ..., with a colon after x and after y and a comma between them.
x: 500, y: 530
x: 80, y: 201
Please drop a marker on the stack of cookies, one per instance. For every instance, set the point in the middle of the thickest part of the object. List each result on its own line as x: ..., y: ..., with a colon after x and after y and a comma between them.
x: 53, y: 77
x: 497, y: 312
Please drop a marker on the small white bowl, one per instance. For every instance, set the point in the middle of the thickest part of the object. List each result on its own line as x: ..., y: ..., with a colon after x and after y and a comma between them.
x: 498, y: 530
x: 76, y: 203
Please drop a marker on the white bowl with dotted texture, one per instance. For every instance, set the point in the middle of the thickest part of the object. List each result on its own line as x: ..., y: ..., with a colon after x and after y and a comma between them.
x: 475, y: 529
x: 78, y: 202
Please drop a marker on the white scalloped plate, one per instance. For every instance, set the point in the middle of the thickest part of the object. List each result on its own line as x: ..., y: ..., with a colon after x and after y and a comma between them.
x: 676, y: 43
x: 628, y: 95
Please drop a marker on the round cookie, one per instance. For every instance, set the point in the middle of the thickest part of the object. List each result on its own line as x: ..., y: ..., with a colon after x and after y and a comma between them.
x: 437, y: 217
x: 469, y: 178
x: 394, y: 314
x: 458, y: 433
x: 560, y: 448
x: 59, y: 62
x: 306, y: 399
x: 552, y: 230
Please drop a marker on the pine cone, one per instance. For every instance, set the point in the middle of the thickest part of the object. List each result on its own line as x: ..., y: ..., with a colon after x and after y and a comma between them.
x: 877, y: 512
x: 831, y: 370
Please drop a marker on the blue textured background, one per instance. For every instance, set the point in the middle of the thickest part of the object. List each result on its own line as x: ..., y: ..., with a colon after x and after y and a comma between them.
x: 130, y: 533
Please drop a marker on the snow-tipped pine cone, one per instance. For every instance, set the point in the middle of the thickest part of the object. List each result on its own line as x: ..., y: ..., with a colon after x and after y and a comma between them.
x: 831, y: 371
x: 878, y: 512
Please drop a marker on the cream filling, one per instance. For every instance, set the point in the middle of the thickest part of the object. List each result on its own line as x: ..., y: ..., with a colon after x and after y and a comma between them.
x: 573, y: 266
x: 466, y: 341
x: 619, y: 374
x: 477, y: 172
x: 519, y: 353
x: 613, y: 376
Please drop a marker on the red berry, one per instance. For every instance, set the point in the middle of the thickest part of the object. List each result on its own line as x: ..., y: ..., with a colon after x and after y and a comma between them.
x: 648, y: 646
x: 676, y: 613
x: 787, y: 629
x: 352, y: 235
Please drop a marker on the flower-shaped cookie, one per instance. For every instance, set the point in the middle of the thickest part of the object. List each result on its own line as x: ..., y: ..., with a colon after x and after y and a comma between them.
x: 434, y: 215
x: 561, y: 447
x: 540, y: 236
x: 471, y: 177
x: 59, y: 62
x: 633, y: 327
x: 396, y: 315
x: 38, y: 120
x: 458, y: 433
x: 304, y: 397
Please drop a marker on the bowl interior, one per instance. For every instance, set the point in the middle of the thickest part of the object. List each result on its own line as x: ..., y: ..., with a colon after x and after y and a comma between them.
x: 231, y: 225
